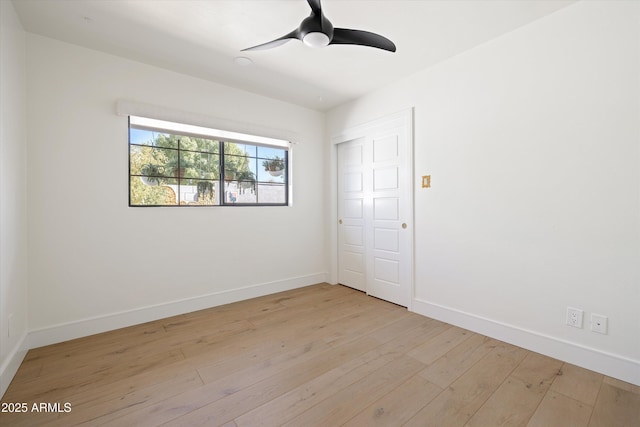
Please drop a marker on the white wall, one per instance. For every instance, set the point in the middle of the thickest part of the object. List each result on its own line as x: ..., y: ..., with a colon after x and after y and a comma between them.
x: 13, y: 198
x: 533, y: 144
x: 97, y: 264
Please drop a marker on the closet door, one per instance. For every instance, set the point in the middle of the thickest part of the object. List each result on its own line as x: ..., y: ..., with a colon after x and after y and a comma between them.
x: 351, y: 208
x: 375, y: 237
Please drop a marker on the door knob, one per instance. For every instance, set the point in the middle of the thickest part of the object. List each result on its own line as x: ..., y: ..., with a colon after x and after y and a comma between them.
x: 404, y: 225
x: 339, y: 221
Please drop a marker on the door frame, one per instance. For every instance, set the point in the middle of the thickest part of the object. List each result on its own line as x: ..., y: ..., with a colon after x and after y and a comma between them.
x: 404, y: 119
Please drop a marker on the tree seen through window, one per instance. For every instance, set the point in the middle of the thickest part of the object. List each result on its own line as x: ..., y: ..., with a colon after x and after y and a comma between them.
x: 182, y: 170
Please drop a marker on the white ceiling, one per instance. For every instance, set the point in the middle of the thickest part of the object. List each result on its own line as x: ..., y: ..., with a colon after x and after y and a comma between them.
x: 201, y: 38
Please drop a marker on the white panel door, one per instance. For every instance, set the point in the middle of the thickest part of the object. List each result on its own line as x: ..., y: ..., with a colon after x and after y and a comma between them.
x: 351, y: 232
x: 389, y: 251
x: 375, y: 214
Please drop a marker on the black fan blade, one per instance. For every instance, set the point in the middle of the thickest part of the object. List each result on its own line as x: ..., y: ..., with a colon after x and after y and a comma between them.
x: 315, y: 6
x: 295, y: 34
x: 362, y: 38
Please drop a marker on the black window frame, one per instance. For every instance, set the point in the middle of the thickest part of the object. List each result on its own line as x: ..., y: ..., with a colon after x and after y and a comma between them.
x: 221, y: 180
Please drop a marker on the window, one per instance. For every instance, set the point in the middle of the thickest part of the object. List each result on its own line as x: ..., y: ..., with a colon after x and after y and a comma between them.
x: 172, y: 164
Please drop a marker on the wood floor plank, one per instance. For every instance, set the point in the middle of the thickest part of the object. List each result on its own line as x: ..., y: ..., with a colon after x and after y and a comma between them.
x: 212, y: 404
x: 86, y: 378
x: 559, y: 410
x: 361, y: 324
x: 621, y: 384
x: 106, y: 409
x: 303, y: 397
x: 237, y: 380
x: 346, y: 403
x: 127, y: 351
x: 578, y: 383
x: 616, y: 407
x: 269, y: 389
x: 231, y: 362
x: 439, y: 345
x: 116, y: 389
x: 458, y: 360
x: 394, y: 328
x: 538, y: 370
x: 515, y: 401
x: 321, y: 293
x: 457, y: 404
x: 231, y: 407
x: 512, y: 404
x: 398, y: 406
x: 287, y: 327
x: 272, y: 342
x: 319, y: 355
x: 335, y: 304
x: 310, y: 393
x: 30, y: 419
x: 142, y: 332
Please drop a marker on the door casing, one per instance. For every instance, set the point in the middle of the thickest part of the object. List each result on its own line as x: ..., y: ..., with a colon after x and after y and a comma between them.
x: 405, y: 120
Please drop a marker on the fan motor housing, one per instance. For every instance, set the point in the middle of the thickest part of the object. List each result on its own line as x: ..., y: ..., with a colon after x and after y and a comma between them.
x: 316, y: 24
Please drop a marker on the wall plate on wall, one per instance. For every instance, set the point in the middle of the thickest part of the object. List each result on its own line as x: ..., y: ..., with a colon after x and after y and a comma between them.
x: 426, y: 181
x: 599, y: 323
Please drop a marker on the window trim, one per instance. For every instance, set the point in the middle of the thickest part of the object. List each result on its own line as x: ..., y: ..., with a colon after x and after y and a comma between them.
x: 221, y: 136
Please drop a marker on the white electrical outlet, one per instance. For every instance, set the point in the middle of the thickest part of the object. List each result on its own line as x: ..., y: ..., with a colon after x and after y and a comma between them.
x: 574, y: 317
x: 599, y: 323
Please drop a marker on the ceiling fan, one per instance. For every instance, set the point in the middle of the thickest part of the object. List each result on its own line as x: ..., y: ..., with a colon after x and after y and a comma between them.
x: 317, y: 31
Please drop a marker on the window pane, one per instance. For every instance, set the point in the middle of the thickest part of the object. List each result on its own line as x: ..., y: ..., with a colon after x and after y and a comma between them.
x: 271, y: 193
x: 207, y: 192
x: 275, y: 176
x: 273, y: 168
x: 142, y: 137
x: 240, y: 192
x: 152, y: 162
x: 200, y: 165
x: 240, y: 149
x: 207, y: 145
x: 233, y: 148
x: 198, y: 192
x: 236, y: 166
x: 270, y: 152
x: 167, y: 141
x: 143, y: 193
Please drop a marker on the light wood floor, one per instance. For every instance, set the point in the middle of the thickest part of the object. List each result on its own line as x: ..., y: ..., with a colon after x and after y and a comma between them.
x: 322, y: 355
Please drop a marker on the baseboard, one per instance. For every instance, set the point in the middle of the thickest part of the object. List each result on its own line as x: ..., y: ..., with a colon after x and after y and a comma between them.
x: 11, y: 364
x: 82, y: 328
x: 615, y: 366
